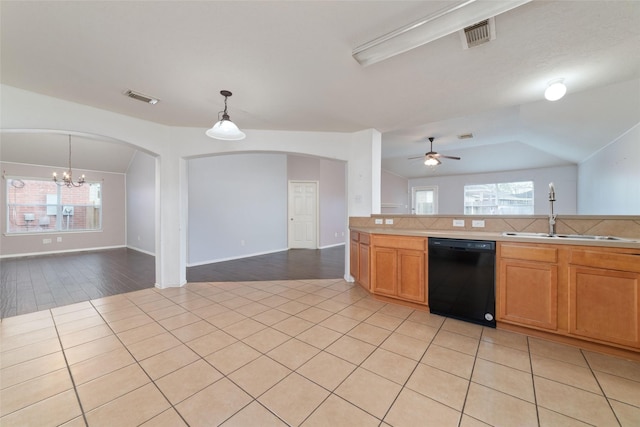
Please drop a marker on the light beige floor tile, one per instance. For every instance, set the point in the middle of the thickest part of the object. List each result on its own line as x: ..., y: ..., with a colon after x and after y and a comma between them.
x: 95, y: 367
x: 129, y: 323
x: 178, y: 321
x: 254, y: 415
x: 293, y: 353
x: 75, y: 422
x: 76, y: 316
x: 438, y: 385
x: 390, y: 365
x: 274, y: 301
x: 384, y: 321
x: 319, y: 336
x: 369, y: 333
x: 337, y: 412
x: 499, y: 409
x: 405, y: 345
x: 326, y: 370
x: 252, y: 309
x: 463, y: 328
x: 351, y: 349
x: 573, y: 402
x: 448, y: 360
x: 232, y: 357
x: 131, y: 409
x: 57, y: 311
x: 187, y: 381
x: 456, y: 342
x: 614, y: 365
x: 504, y: 379
x: 168, y: 418
x: 396, y: 310
x: 294, y: 398
x: 244, y: 328
x: 553, y: 350
x: 311, y: 299
x: 195, y: 303
x: 505, y: 356
x: 31, y: 369
x: 418, y: 331
x: 236, y: 302
x: 266, y: 339
x: 369, y: 392
x: 214, y: 404
x: 29, y: 392
x: 140, y: 333
x: 28, y: 338
x: 17, y: 329
x: 25, y: 318
x: 426, y: 318
x: 467, y: 421
x: 292, y: 294
x: 168, y: 361
x: 195, y: 330
x: 78, y: 325
x: 92, y: 349
x: 549, y: 418
x: 214, y: 341
x: 313, y: 314
x: 210, y: 310
x: 152, y: 346
x: 292, y: 326
x: 413, y: 409
x: 73, y: 339
x: 260, y: 375
x: 123, y: 312
x: 257, y: 295
x: 29, y: 352
x: 566, y: 373
x: 628, y: 415
x: 339, y: 323
x: 53, y: 411
x: 293, y: 307
x: 271, y: 317
x: 620, y: 389
x: 331, y: 305
x: 505, y: 338
x: 225, y: 319
x: 111, y: 386
x: 356, y: 313
x: 370, y: 304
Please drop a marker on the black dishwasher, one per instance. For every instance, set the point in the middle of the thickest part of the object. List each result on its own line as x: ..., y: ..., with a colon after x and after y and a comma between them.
x: 462, y: 279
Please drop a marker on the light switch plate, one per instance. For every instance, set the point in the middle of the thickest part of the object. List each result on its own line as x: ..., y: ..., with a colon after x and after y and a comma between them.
x: 458, y: 222
x: 478, y: 223
x: 378, y: 220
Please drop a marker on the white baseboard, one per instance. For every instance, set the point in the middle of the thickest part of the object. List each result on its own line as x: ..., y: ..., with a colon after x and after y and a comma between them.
x: 141, y: 250
x: 213, y: 261
x: 332, y: 246
x: 61, y: 252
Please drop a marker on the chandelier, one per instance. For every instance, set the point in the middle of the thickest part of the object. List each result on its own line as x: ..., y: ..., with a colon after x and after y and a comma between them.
x: 224, y: 128
x: 67, y: 176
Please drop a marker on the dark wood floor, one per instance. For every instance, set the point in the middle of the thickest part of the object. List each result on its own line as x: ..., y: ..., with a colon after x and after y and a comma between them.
x: 36, y: 283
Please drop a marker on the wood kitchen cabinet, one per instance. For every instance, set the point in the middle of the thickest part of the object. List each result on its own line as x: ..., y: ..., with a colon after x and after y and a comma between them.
x: 359, y: 258
x: 399, y: 267
x: 604, y: 296
x: 527, y: 284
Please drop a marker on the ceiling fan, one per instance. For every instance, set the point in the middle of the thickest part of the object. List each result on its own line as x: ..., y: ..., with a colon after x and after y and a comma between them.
x: 432, y: 158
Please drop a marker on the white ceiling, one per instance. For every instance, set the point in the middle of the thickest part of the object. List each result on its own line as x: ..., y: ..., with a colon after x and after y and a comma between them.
x: 289, y: 66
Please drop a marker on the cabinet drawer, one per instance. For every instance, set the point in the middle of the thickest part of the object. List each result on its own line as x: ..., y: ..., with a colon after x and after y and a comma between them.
x: 355, y: 235
x: 607, y: 260
x: 529, y: 252
x: 364, y: 238
x: 415, y: 243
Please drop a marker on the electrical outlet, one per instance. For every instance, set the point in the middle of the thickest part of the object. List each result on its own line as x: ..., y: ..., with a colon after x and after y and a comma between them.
x: 378, y: 221
x: 59, y: 239
x: 241, y: 242
x: 388, y: 221
x: 477, y: 223
x: 335, y: 234
x: 458, y: 222
x: 46, y: 241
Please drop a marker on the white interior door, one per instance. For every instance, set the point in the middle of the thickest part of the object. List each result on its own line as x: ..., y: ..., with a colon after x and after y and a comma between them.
x: 303, y: 214
x: 424, y: 200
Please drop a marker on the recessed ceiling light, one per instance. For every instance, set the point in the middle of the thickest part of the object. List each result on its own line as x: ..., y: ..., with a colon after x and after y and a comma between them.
x: 555, y: 90
x: 141, y: 97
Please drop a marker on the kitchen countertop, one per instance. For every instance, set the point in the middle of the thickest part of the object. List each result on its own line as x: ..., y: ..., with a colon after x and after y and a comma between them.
x: 497, y: 237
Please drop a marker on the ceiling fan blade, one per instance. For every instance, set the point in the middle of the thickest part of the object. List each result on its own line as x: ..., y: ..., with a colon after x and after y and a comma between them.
x: 417, y: 157
x: 449, y: 157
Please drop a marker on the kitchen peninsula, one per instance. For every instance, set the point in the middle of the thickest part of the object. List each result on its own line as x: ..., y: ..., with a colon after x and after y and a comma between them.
x: 581, y: 287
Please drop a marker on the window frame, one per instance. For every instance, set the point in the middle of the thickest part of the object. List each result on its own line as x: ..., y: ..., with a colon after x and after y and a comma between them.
x: 415, y: 189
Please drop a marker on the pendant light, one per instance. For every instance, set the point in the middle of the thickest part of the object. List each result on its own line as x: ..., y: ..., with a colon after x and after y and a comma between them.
x: 225, y: 129
x: 67, y: 176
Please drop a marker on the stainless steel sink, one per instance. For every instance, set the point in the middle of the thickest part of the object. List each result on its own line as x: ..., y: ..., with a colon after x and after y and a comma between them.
x: 565, y: 236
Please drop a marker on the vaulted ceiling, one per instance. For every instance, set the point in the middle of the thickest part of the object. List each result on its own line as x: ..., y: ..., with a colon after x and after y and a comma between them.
x: 290, y: 67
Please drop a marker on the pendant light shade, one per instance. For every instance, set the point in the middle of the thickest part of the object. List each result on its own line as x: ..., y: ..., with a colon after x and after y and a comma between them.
x: 224, y: 128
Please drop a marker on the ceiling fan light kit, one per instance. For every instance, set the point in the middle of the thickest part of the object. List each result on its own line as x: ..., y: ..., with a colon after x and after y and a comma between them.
x: 224, y: 128
x: 432, y: 158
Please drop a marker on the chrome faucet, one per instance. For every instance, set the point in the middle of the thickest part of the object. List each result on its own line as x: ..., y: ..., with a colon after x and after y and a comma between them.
x: 552, y: 216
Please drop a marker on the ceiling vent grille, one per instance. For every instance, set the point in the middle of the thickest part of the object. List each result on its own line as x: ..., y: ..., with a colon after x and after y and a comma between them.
x: 477, y: 34
x: 141, y: 97
x: 465, y: 136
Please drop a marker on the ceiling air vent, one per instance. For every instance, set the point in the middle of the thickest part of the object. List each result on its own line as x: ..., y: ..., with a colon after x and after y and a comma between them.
x: 141, y: 97
x: 477, y: 34
x: 465, y: 136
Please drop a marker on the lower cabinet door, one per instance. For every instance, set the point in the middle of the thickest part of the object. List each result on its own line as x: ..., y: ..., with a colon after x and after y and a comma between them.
x: 363, y: 266
x: 604, y: 305
x: 411, y: 272
x: 384, y: 274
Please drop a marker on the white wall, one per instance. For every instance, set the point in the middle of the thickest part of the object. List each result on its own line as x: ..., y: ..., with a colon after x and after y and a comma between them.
x: 141, y: 203
x: 237, y: 206
x: 393, y: 194
x: 609, y: 180
x: 451, y: 188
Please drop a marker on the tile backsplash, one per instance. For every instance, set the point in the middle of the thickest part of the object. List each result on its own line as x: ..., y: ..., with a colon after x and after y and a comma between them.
x: 620, y: 226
